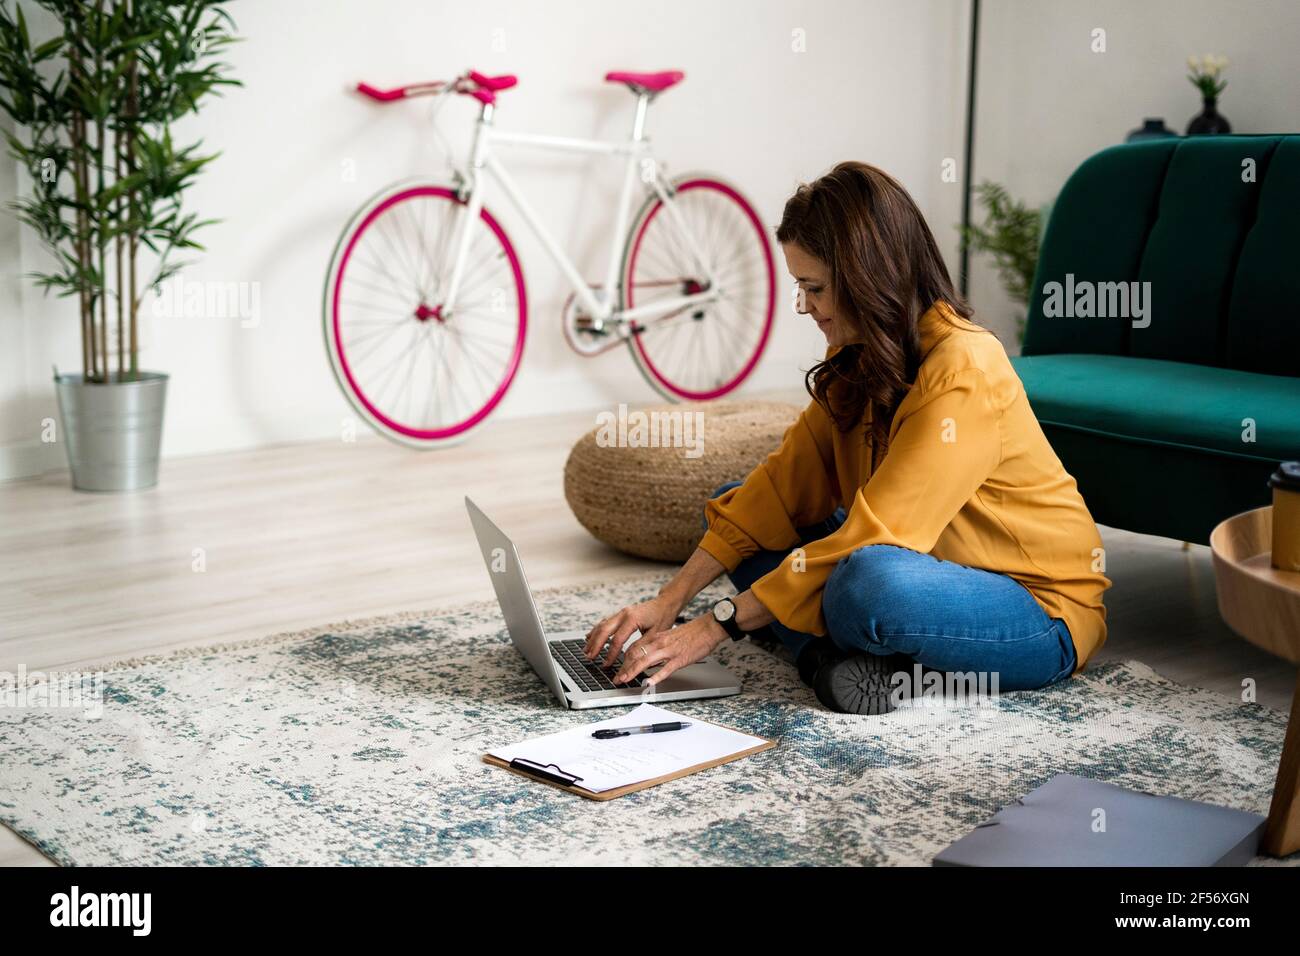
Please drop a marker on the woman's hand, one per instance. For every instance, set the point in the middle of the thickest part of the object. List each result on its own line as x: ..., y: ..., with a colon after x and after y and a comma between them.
x: 648, y: 617
x: 659, y: 614
x: 674, y: 648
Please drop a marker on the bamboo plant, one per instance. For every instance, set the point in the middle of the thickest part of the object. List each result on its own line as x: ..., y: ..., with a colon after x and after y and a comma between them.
x: 94, y: 100
x: 1010, y: 233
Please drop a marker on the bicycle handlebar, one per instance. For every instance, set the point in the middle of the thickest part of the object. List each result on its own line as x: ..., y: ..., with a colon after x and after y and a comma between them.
x: 400, y: 92
x: 471, y: 83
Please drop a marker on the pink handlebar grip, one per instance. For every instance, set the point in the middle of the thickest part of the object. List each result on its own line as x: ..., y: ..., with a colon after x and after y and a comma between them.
x: 384, y: 96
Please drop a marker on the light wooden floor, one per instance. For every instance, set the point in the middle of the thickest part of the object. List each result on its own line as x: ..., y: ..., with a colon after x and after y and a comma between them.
x: 300, y: 535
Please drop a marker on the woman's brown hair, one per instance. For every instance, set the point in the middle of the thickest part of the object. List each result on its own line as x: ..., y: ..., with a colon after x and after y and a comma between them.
x: 885, y: 272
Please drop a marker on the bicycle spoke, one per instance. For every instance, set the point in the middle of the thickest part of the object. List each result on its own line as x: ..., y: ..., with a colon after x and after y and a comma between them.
x: 355, y: 339
x: 380, y: 309
x: 417, y: 246
x: 422, y: 236
x: 393, y: 298
x: 410, y: 365
x: 386, y: 376
x: 408, y: 246
x: 399, y: 262
x: 474, y: 363
x: 478, y: 337
x: 394, y: 283
x: 436, y: 381
x: 459, y: 391
x: 360, y: 356
x: 473, y: 279
x: 395, y: 225
x: 440, y: 396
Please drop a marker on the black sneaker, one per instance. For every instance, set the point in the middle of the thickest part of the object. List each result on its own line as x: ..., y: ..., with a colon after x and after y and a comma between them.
x: 859, y: 683
x: 813, y: 655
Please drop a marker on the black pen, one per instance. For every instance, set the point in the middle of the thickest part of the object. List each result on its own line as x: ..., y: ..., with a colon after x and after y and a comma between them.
x: 609, y: 733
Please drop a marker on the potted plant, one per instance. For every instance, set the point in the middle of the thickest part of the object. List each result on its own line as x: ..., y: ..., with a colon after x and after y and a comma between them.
x: 1206, y: 74
x: 1011, y: 233
x: 94, y: 100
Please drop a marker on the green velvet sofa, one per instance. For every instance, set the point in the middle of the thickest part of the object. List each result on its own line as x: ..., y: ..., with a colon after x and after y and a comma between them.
x: 1171, y: 414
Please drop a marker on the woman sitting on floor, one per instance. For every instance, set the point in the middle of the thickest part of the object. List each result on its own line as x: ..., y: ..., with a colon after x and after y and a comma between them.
x: 914, y: 514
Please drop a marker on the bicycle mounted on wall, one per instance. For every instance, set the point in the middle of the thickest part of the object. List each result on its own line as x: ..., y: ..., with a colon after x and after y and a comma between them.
x: 425, y: 308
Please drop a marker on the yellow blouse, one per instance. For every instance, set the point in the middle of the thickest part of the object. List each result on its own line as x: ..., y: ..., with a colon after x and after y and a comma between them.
x: 968, y: 476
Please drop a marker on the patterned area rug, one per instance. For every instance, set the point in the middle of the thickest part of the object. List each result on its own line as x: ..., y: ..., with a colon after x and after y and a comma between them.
x: 361, y: 743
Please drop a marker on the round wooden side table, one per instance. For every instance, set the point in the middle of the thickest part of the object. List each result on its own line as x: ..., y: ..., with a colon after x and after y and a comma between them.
x: 1262, y: 604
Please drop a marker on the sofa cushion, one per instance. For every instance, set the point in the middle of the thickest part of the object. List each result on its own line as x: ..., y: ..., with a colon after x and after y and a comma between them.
x: 1206, y: 210
x: 1159, y: 402
x: 1264, y: 314
x: 1097, y: 232
x: 1209, y: 222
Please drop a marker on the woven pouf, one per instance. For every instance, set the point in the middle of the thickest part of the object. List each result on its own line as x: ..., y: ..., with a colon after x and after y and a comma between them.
x: 639, y: 480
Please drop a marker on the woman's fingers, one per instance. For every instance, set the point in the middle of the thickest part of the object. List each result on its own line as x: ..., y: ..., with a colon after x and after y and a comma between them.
x: 615, y: 630
x: 674, y: 649
x: 596, y: 637
x: 605, y: 630
x: 646, y: 652
x: 666, y: 671
x: 618, y: 640
x: 649, y: 618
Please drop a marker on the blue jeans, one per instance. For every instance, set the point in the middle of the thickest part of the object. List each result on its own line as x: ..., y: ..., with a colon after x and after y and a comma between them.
x: 883, y: 599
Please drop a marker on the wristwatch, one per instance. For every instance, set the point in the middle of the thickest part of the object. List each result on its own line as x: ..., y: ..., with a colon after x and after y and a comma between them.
x: 724, y: 612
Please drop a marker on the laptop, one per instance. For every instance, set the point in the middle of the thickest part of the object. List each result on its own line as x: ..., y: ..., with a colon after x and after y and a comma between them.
x: 559, y: 660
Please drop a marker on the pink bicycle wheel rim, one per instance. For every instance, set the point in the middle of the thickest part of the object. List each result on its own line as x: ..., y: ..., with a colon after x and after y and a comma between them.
x: 515, y: 356
x: 771, y: 293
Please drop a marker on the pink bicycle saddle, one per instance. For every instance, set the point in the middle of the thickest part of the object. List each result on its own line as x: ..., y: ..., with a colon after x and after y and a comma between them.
x: 653, y: 82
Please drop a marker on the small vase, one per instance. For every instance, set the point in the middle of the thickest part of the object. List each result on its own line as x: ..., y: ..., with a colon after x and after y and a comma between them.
x: 1208, y: 122
x: 1150, y: 129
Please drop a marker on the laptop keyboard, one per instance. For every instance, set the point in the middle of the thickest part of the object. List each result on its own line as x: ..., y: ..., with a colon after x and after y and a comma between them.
x: 587, y: 675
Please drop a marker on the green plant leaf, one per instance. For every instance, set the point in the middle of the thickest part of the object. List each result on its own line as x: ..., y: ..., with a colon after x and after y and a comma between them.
x: 1009, y: 234
x: 129, y: 76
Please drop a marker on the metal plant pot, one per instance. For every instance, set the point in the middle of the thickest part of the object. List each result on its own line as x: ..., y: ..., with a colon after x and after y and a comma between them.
x: 112, y: 431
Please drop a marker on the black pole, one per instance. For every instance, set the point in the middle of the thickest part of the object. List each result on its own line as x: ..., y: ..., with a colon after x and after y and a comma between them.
x: 964, y: 271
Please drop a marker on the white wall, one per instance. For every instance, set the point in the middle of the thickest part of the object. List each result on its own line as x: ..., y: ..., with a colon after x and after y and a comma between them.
x: 1046, y: 101
x: 880, y: 81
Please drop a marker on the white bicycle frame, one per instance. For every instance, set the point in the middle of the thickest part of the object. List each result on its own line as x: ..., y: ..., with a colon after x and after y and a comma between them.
x: 637, y: 151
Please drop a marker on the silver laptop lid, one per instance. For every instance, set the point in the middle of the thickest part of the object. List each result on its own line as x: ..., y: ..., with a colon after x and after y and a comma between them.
x: 516, y: 600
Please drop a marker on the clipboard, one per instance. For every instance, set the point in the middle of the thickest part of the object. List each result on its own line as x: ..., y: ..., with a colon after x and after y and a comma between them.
x: 554, y: 776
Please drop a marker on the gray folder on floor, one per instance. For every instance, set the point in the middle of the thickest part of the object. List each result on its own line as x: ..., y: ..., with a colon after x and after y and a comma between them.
x: 1074, y: 821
